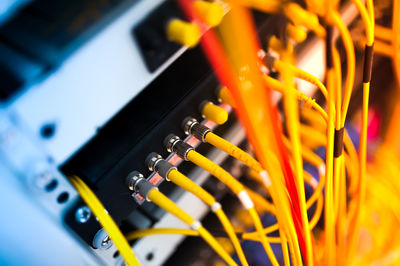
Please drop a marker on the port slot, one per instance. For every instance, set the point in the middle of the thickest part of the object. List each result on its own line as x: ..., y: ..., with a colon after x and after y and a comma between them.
x: 123, y: 144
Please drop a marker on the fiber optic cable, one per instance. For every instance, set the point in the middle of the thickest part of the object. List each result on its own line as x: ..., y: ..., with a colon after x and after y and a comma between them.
x: 330, y: 242
x: 261, y: 204
x: 202, y: 133
x: 186, y: 152
x: 105, y: 220
x: 235, y: 24
x: 291, y: 114
x: 392, y: 138
x: 383, y: 33
x: 368, y: 20
x: 191, y: 126
x: 137, y: 183
x: 301, y: 74
x: 278, y: 86
x: 245, y: 236
x: 169, y: 172
x: 255, y: 97
x: 216, y: 55
x: 349, y: 49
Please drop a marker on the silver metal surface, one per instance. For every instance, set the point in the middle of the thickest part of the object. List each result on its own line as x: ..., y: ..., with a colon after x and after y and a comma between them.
x: 83, y: 214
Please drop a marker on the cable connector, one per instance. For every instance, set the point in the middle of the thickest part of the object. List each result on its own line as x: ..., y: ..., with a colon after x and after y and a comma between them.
x: 156, y: 163
x: 174, y: 144
x: 192, y: 127
x: 137, y: 183
x: 213, y: 112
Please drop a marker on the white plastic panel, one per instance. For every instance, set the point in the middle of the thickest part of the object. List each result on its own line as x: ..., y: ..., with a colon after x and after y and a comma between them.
x: 90, y: 86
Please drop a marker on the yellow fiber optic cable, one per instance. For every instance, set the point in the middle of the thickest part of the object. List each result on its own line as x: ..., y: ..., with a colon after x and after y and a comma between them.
x: 301, y: 17
x: 371, y: 13
x: 232, y: 30
x: 203, y: 133
x: 271, y: 6
x: 350, y: 56
x: 187, y: 232
x: 382, y: 48
x: 160, y: 231
x: 313, y: 222
x: 187, y: 184
x: 383, y: 33
x: 238, y: 189
x: 296, y: 33
x: 329, y: 212
x: 168, y: 171
x: 351, y: 164
x: 368, y: 20
x: 278, y: 86
x: 290, y: 104
x: 163, y: 202
x: 245, y: 236
x: 301, y: 74
x: 225, y: 96
x: 105, y: 220
x: 185, y: 151
x: 260, y: 202
x: 338, y: 149
x: 391, y: 140
x: 285, y: 252
x: 137, y: 183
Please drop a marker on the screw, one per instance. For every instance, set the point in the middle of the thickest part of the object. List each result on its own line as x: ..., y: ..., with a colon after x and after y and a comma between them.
x: 83, y: 214
x: 105, y: 242
x: 101, y: 240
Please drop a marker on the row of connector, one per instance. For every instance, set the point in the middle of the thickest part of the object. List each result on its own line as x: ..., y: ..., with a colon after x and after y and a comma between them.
x: 214, y: 115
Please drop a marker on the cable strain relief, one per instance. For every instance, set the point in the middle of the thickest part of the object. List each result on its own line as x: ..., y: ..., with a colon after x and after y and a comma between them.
x: 196, y: 225
x: 182, y: 149
x: 216, y: 206
x: 313, y: 182
x: 163, y: 168
x: 144, y: 187
x: 245, y: 199
x: 200, y: 131
x: 368, y: 60
x: 265, y: 178
x: 321, y: 169
x: 328, y: 47
x: 338, y: 142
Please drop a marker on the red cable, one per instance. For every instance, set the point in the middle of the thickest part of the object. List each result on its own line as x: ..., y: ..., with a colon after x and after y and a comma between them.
x: 216, y: 56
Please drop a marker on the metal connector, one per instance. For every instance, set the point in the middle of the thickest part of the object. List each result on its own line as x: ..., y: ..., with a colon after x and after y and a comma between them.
x: 175, y: 144
x: 156, y: 163
x: 187, y: 124
x: 193, y: 127
x: 170, y: 141
x: 151, y: 160
x: 137, y: 183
